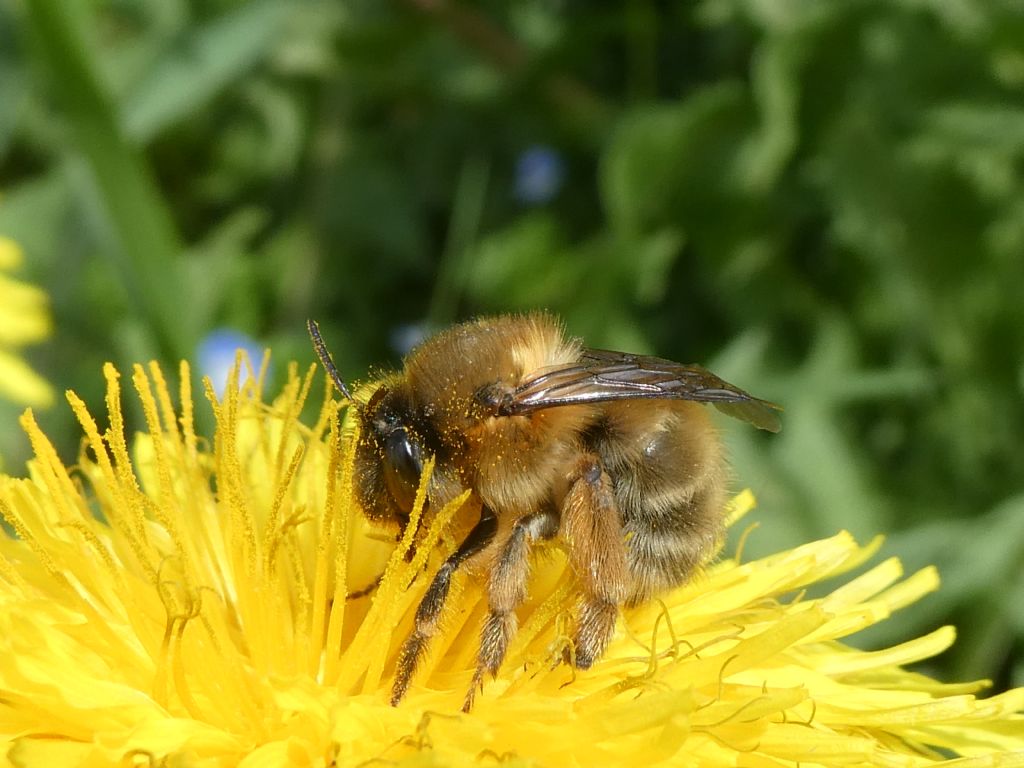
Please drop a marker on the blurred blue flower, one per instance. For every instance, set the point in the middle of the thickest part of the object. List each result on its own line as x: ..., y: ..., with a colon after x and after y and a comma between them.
x: 216, y: 355
x: 540, y: 171
x: 404, y: 337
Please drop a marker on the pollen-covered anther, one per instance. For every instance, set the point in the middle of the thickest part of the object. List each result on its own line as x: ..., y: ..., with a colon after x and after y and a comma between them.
x: 173, y: 600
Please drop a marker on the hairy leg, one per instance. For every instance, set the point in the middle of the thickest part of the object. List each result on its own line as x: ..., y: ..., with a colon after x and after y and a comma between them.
x: 429, y: 610
x: 506, y: 589
x: 592, y: 530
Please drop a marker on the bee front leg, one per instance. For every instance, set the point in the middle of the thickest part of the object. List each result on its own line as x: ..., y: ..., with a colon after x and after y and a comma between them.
x: 429, y: 610
x: 506, y: 589
x: 592, y: 529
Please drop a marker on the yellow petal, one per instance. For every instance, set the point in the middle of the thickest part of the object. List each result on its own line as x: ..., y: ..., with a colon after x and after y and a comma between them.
x: 173, y: 601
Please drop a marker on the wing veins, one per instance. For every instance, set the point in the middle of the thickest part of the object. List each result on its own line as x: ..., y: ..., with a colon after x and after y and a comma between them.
x: 606, y: 376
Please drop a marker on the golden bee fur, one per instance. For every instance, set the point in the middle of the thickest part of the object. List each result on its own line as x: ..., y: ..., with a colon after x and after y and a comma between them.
x: 613, y: 454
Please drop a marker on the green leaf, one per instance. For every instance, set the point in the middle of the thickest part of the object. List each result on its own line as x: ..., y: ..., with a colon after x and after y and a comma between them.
x: 650, y: 261
x: 775, y: 74
x: 201, y: 64
x: 664, y: 163
x: 32, y: 212
x: 14, y: 80
x: 140, y: 217
x: 523, y: 265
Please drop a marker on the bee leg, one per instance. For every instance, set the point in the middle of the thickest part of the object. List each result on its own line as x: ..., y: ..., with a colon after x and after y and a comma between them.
x: 367, y: 590
x: 592, y: 528
x: 506, y: 589
x: 430, y: 606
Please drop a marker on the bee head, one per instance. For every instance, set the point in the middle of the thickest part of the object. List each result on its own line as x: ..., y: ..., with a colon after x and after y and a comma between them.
x: 389, y: 440
x: 389, y: 455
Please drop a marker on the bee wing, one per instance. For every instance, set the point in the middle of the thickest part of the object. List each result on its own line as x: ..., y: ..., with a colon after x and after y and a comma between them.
x: 603, y: 376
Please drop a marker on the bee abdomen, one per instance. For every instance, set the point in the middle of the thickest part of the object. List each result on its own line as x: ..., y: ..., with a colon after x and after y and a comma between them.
x: 663, y: 551
x: 670, y: 492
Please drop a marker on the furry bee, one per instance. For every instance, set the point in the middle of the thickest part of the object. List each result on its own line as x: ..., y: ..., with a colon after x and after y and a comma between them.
x: 610, y: 452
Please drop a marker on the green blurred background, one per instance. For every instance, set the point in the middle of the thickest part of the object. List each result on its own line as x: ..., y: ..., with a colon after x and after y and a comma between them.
x: 823, y: 201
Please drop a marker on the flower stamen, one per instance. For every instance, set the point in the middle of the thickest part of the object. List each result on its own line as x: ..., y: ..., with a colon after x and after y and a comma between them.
x: 175, y: 602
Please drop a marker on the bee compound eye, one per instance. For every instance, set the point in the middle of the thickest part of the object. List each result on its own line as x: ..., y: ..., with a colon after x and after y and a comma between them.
x: 403, y: 465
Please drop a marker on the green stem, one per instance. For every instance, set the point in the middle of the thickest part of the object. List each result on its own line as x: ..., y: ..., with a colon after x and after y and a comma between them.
x: 141, y: 219
x: 453, y: 269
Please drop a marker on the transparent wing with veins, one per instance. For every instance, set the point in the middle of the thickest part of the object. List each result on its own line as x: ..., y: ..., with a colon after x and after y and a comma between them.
x: 604, y: 376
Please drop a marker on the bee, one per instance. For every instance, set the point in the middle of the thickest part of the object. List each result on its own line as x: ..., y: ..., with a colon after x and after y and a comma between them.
x: 609, y: 452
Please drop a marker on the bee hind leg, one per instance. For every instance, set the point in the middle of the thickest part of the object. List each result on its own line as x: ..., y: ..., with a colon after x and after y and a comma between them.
x: 506, y: 589
x: 592, y: 529
x: 429, y: 610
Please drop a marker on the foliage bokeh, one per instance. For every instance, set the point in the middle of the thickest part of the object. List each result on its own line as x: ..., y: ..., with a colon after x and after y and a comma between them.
x: 822, y: 201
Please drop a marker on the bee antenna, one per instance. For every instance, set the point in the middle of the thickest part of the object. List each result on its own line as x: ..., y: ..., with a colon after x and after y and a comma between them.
x: 326, y: 359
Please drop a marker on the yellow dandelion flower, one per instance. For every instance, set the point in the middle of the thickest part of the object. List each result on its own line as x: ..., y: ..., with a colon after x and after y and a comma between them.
x: 171, y: 602
x: 24, y: 319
